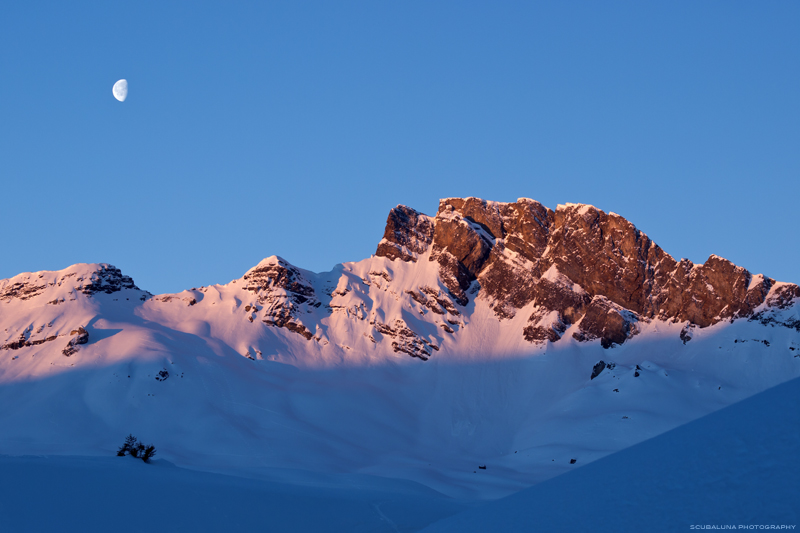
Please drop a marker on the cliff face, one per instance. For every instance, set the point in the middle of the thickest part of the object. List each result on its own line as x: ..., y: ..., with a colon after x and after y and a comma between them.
x: 577, y: 265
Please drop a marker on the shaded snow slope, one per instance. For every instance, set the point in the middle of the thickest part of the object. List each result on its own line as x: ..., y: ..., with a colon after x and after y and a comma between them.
x: 214, y: 390
x: 99, y: 494
x: 736, y: 467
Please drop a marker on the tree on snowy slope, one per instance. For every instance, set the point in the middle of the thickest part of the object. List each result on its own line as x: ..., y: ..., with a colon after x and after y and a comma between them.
x: 134, y: 448
x: 149, y: 451
x: 127, y: 446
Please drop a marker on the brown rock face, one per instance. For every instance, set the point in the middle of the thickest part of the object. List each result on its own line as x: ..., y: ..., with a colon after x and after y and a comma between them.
x: 408, y: 233
x: 523, y: 225
x: 499, y: 241
x: 559, y: 294
x: 575, y: 265
x: 604, y: 320
x: 604, y: 254
x: 461, y: 247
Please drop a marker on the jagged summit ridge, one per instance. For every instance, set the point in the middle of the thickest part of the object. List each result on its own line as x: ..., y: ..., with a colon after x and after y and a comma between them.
x: 612, y: 274
x: 478, y: 277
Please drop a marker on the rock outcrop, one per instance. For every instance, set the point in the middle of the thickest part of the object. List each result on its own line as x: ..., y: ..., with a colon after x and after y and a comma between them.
x: 576, y: 265
x: 405, y: 340
x: 79, y: 336
x: 598, y: 368
x: 408, y: 234
x: 84, y: 279
x: 107, y: 279
x: 283, y: 292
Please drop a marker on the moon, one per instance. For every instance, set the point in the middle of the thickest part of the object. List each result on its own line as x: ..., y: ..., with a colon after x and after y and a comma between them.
x: 120, y: 90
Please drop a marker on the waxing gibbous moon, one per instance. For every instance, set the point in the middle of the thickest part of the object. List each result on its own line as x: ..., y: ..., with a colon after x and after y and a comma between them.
x: 120, y: 90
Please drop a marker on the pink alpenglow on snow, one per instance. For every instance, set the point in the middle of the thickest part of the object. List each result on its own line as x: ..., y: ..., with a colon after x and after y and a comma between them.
x: 471, y: 339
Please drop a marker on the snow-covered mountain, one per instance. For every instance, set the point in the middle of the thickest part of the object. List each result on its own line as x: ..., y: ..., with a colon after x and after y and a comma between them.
x: 472, y: 338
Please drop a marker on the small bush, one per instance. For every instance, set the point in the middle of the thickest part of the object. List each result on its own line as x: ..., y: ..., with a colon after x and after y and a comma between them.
x: 134, y: 448
x: 127, y: 446
x: 137, y: 451
x: 148, y: 452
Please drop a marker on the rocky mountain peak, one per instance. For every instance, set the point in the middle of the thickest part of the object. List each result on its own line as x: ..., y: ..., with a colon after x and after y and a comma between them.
x: 87, y: 279
x: 282, y: 291
x: 408, y: 234
x: 577, y: 265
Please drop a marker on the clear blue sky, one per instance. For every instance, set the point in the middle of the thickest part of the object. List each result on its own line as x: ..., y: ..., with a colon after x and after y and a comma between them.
x: 292, y: 128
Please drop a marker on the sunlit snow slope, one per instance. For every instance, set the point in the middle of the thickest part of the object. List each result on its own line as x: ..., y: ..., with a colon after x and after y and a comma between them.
x: 378, y: 367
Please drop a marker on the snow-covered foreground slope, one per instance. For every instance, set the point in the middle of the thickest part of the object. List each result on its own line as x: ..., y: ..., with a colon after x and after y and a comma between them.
x: 736, y: 467
x: 99, y: 494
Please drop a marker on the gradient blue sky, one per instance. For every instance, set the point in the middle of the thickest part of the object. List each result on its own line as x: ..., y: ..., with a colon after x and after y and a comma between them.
x: 292, y: 128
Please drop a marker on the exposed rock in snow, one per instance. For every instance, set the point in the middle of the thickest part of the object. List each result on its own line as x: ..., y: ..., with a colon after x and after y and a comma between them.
x: 607, y: 321
x: 283, y: 291
x: 597, y: 368
x: 86, y: 279
x: 107, y: 279
x: 544, y: 325
x: 578, y: 260
x: 687, y: 332
x: 79, y: 336
x: 405, y: 340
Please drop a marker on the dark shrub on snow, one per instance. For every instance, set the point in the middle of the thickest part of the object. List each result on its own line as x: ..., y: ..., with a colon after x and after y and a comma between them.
x: 134, y: 448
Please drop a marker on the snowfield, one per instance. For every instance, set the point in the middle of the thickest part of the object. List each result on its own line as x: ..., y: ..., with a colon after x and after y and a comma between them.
x: 338, y: 423
x: 735, y: 469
